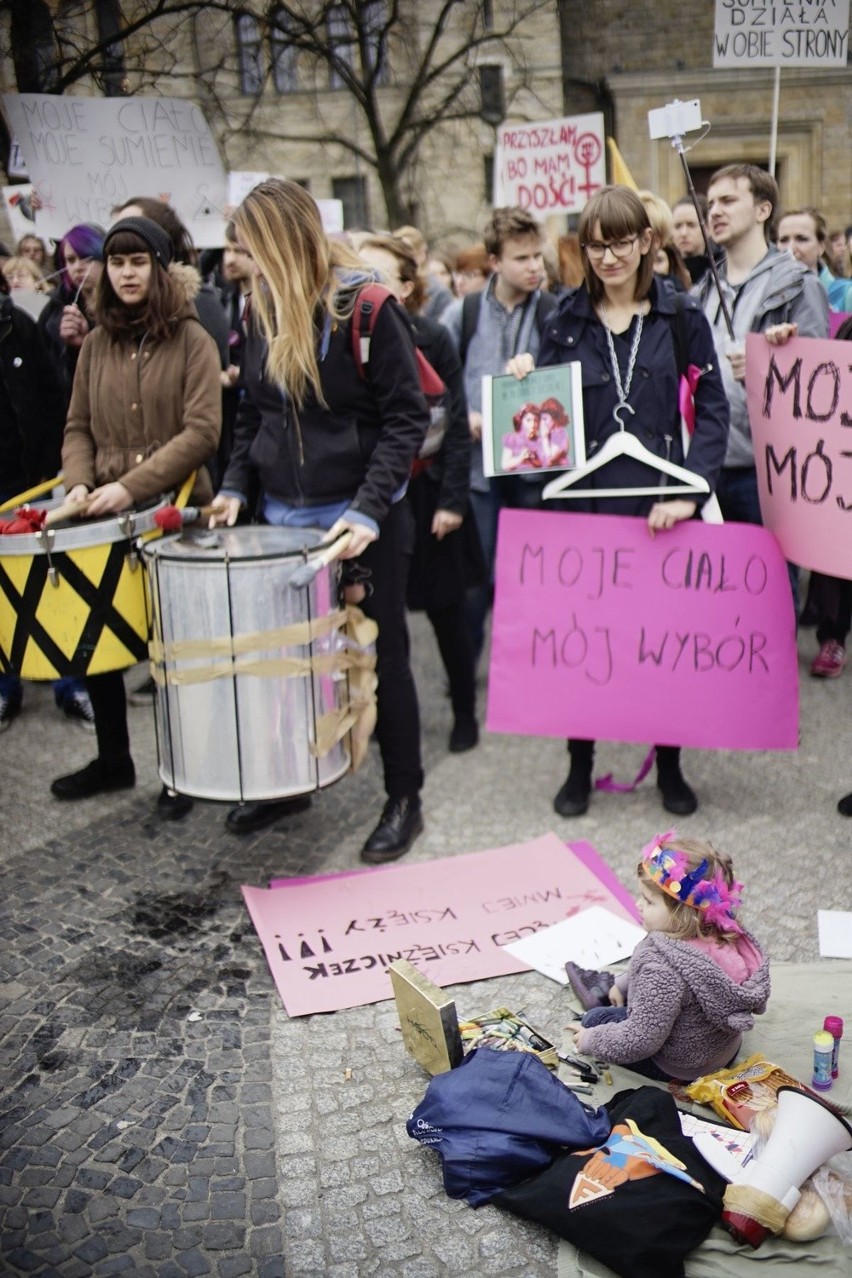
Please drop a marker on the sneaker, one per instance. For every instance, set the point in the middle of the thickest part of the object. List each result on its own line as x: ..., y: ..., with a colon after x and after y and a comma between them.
x: 143, y: 695
x: 79, y: 708
x: 8, y: 710
x: 829, y: 661
x: 590, y: 986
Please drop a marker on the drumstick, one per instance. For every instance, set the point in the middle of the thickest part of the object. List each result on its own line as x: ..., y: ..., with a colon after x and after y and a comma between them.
x: 172, y: 518
x: 304, y: 575
x: 68, y: 510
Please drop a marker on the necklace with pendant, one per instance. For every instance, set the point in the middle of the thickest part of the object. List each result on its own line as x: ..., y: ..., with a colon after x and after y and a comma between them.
x: 623, y: 387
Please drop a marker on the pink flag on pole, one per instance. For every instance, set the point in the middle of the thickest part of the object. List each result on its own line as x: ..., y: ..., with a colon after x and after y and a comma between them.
x: 602, y: 631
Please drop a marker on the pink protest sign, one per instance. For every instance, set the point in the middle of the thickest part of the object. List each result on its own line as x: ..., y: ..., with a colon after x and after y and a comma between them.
x: 800, y: 410
x: 602, y: 631
x: 329, y: 940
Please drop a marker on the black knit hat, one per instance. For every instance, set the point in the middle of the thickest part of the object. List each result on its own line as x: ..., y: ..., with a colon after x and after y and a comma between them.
x: 154, y: 236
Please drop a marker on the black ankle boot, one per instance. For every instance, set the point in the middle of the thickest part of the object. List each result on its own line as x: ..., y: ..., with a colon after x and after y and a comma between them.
x: 573, y: 798
x: 678, y: 796
x: 400, y: 824
x: 95, y: 778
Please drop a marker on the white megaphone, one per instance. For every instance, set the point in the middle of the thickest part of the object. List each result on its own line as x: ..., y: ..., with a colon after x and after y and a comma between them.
x: 806, y: 1134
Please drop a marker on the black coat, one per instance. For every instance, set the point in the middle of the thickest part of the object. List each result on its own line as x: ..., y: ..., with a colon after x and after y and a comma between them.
x: 441, y: 571
x: 357, y: 448
x: 575, y: 333
x: 32, y: 438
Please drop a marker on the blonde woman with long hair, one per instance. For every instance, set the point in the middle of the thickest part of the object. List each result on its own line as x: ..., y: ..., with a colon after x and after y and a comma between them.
x: 333, y: 449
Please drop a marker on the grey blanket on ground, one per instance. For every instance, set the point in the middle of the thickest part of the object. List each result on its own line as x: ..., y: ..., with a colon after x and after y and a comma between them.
x: 802, y: 994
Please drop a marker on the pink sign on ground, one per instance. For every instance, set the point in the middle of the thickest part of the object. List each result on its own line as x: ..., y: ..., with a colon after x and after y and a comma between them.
x: 800, y: 410
x: 329, y: 940
x: 602, y: 631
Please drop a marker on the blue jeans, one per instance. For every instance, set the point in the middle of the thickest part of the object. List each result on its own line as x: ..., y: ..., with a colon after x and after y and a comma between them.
x: 611, y: 1015
x: 12, y: 689
x: 740, y: 504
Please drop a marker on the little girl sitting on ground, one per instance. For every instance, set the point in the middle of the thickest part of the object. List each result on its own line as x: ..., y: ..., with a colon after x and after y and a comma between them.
x: 696, y: 981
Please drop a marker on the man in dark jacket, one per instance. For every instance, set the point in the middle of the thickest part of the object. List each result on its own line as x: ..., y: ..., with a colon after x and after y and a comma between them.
x: 32, y: 417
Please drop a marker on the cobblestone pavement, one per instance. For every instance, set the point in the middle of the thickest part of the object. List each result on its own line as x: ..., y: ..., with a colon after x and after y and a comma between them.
x: 161, y: 1114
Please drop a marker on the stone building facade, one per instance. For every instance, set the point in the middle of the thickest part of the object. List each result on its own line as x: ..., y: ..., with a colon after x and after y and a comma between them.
x: 630, y: 57
x: 276, y: 110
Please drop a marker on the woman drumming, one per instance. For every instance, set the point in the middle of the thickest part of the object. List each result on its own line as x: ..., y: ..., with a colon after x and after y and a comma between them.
x: 145, y: 412
x: 620, y: 325
x: 333, y: 450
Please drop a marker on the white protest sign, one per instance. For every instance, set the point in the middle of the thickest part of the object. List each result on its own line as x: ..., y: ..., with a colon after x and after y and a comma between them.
x: 331, y: 212
x: 85, y: 155
x: 781, y: 33
x: 16, y: 167
x: 240, y: 182
x: 552, y: 166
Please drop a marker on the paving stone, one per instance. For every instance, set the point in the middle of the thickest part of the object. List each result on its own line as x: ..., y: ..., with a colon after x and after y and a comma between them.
x: 194, y: 1263
x: 224, y: 1235
x: 234, y: 1266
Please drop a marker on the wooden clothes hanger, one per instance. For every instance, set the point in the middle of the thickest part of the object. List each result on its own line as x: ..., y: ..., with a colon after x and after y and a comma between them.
x: 625, y: 444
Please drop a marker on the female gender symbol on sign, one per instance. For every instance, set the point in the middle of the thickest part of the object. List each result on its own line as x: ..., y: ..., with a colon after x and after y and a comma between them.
x: 587, y: 152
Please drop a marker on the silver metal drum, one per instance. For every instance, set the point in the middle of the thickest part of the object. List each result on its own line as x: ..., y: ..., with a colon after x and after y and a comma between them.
x: 245, y: 664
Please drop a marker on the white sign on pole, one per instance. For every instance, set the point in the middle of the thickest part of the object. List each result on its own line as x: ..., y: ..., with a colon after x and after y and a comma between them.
x: 781, y: 33
x: 552, y: 166
x: 16, y: 167
x: 19, y: 210
x: 240, y: 182
x: 85, y: 155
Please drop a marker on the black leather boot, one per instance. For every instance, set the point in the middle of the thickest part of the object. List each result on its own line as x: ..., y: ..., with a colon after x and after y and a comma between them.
x: 573, y: 798
x: 95, y: 778
x: 249, y: 817
x: 678, y: 796
x: 400, y: 824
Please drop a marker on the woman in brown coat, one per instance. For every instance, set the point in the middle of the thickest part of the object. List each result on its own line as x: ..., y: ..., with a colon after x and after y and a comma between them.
x: 145, y: 412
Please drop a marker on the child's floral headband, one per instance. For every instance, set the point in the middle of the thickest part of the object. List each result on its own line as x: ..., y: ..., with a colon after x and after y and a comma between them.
x: 715, y: 901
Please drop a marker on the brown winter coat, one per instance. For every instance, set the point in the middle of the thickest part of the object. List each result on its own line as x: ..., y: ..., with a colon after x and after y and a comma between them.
x: 145, y: 413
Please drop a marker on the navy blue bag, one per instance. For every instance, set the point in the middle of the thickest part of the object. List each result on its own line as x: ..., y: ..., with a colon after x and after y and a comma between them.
x: 498, y: 1118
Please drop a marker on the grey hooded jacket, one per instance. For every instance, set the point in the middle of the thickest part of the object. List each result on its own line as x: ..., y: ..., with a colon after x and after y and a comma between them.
x: 685, y: 1012
x: 778, y: 291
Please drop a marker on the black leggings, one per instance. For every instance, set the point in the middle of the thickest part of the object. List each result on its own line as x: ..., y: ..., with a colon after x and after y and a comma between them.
x: 110, y: 706
x: 398, y: 718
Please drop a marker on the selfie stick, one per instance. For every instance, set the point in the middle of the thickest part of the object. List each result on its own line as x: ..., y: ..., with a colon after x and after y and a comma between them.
x: 677, y: 143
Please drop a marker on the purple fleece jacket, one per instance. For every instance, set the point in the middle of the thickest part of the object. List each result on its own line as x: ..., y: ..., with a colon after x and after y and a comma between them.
x: 685, y: 1012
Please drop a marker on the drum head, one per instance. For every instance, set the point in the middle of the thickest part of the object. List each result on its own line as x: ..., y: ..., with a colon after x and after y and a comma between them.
x: 250, y: 541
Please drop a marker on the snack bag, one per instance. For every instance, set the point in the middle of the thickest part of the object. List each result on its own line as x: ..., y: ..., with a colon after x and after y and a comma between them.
x: 743, y: 1090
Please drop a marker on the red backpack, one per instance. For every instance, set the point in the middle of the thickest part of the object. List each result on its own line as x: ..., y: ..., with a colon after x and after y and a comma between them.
x: 370, y: 301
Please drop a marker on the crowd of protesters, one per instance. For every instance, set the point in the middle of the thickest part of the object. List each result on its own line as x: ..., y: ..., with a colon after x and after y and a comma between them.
x: 250, y: 348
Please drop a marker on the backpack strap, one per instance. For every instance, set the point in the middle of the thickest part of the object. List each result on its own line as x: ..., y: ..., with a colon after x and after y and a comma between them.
x: 470, y: 319
x: 679, y: 335
x: 371, y: 298
x: 544, y: 308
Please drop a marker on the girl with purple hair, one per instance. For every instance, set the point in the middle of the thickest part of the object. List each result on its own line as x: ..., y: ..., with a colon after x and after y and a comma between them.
x: 67, y: 318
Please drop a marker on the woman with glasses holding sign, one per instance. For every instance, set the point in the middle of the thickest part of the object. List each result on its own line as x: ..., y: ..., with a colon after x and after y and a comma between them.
x: 633, y: 336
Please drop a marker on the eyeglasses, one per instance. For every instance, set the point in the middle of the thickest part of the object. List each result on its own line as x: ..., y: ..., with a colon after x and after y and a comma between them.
x: 618, y: 248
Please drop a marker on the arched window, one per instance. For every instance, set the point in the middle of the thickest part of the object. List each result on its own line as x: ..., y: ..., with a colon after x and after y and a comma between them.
x: 249, y: 54
x: 284, y: 55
